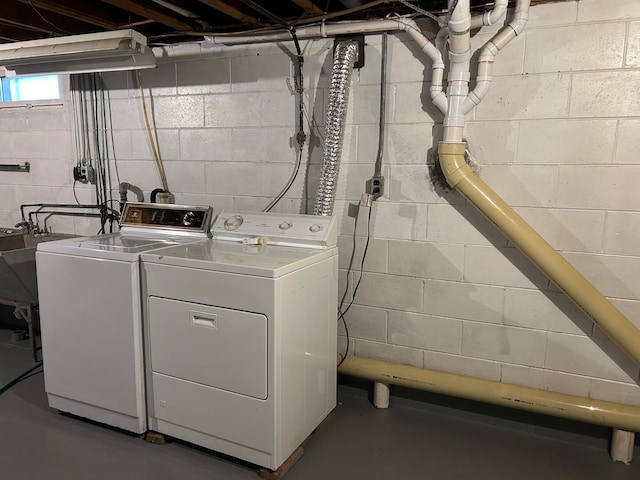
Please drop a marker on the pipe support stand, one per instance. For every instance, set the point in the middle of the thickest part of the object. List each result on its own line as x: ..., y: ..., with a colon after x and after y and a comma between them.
x: 622, y: 443
x: 381, y: 393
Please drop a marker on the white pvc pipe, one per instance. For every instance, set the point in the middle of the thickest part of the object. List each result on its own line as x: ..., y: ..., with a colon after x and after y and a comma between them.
x: 438, y: 96
x: 490, y: 50
x: 496, y: 13
x: 477, y: 21
x: 359, y: 27
x: 458, y: 78
x: 315, y: 31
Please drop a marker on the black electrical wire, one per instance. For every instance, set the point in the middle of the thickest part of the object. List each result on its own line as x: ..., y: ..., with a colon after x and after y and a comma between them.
x: 74, y: 192
x: 383, y: 100
x: 342, y: 313
x: 265, y: 12
x: 378, y: 173
x: 19, y: 378
x: 346, y: 329
x: 289, y: 183
x: 450, y: 12
x: 94, y: 124
x: 47, y: 21
x: 300, y: 136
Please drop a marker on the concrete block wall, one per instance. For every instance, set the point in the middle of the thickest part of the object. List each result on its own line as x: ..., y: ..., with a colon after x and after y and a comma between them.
x: 557, y: 137
x: 41, y: 133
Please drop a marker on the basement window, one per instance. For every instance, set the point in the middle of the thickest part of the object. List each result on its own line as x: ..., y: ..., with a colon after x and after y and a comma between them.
x: 29, y: 90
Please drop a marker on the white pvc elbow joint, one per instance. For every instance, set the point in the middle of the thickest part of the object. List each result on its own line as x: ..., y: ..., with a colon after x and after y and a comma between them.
x: 519, y: 21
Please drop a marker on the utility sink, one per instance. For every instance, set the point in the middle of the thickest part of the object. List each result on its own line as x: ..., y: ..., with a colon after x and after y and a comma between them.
x: 18, y: 286
x: 18, y: 265
x: 11, y: 239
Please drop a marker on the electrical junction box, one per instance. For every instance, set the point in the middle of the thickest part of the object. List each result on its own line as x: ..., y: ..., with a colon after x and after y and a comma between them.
x: 84, y: 174
x: 375, y: 187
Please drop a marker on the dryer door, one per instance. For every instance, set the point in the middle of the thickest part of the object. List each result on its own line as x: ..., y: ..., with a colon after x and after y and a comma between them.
x: 212, y: 346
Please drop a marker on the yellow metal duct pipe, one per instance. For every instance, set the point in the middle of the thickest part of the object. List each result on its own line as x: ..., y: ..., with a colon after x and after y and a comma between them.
x: 461, y: 177
x: 626, y: 417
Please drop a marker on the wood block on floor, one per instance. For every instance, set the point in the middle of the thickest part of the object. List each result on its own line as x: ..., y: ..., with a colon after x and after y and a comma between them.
x: 155, y: 437
x: 325, y: 421
x: 284, y: 468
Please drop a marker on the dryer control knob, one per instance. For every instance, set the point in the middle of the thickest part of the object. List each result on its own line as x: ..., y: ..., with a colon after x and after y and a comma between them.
x: 233, y: 222
x: 315, y: 228
x: 285, y: 226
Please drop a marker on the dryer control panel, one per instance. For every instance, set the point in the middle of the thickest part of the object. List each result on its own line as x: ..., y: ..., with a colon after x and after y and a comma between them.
x: 312, y: 231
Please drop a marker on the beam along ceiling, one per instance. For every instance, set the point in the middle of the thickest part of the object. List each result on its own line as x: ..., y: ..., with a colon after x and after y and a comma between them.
x: 174, y: 21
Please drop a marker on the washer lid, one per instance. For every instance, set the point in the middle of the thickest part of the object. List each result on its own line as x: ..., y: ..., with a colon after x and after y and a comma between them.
x: 115, y: 246
x: 260, y: 260
x: 120, y: 243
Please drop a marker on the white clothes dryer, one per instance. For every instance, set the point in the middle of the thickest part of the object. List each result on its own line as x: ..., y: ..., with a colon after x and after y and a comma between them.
x: 241, y: 335
x: 90, y: 311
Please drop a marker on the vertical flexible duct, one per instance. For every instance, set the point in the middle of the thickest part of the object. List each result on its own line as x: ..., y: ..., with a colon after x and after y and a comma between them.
x: 343, y: 59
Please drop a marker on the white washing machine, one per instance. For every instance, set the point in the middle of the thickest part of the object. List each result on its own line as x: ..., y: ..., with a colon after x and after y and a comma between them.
x: 91, y: 313
x: 240, y: 335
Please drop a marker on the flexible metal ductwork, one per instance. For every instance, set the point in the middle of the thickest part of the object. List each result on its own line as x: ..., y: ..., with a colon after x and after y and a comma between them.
x: 344, y: 57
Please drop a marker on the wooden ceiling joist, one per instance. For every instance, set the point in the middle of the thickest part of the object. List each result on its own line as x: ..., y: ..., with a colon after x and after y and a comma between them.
x: 96, y: 16
x: 151, y: 13
x: 15, y: 14
x: 308, y: 6
x: 231, y: 11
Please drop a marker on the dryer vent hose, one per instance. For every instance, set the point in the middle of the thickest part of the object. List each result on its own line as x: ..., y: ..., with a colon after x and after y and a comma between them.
x: 345, y: 55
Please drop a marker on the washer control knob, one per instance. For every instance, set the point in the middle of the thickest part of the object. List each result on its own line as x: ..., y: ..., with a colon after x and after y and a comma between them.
x: 285, y: 226
x: 315, y: 228
x: 233, y: 222
x: 188, y: 219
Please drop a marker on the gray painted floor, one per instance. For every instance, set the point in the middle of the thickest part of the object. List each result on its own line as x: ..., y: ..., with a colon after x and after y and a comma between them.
x: 423, y: 438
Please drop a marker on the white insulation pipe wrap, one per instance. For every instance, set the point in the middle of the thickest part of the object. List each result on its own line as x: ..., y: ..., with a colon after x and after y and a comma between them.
x: 343, y: 59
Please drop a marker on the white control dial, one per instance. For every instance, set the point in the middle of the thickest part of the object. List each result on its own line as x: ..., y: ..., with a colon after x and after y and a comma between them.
x: 315, y: 228
x: 233, y: 222
x: 285, y: 226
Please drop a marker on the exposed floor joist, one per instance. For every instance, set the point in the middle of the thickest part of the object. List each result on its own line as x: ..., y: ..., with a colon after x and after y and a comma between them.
x: 98, y: 15
x: 231, y: 11
x: 308, y: 6
x: 151, y: 13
